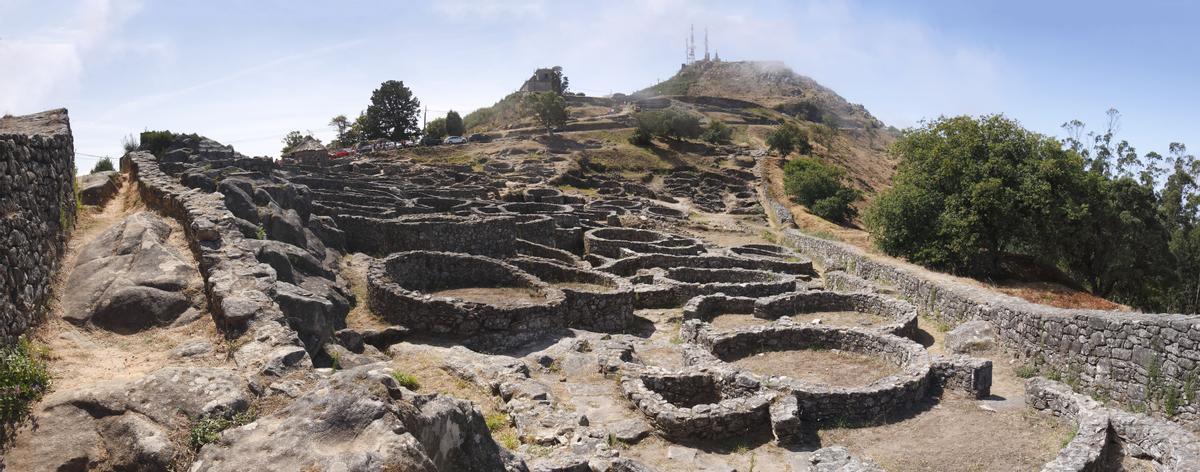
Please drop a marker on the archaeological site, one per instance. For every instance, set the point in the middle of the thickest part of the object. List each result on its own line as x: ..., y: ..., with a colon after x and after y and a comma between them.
x: 561, y: 282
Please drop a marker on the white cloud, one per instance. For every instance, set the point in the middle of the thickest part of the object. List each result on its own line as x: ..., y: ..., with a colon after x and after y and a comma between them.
x: 490, y: 8
x: 50, y: 62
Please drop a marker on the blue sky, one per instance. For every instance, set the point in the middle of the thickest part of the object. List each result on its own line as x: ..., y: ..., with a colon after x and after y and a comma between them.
x: 245, y: 72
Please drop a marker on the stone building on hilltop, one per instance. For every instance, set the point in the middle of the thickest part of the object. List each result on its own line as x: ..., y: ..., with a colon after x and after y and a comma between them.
x: 542, y: 81
x: 309, y: 152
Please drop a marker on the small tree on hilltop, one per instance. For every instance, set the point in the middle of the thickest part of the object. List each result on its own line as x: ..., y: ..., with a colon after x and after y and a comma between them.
x: 103, y: 165
x: 548, y: 108
x: 819, y: 187
x: 717, y: 133
x: 293, y: 139
x: 670, y: 123
x: 788, y: 137
x: 454, y: 124
x: 559, y: 82
x: 342, y: 125
x: 392, y: 113
x: 436, y: 128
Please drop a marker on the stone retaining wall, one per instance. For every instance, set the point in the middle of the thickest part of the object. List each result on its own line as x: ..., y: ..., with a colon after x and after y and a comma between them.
x: 901, y: 316
x: 37, y: 211
x: 1126, y: 355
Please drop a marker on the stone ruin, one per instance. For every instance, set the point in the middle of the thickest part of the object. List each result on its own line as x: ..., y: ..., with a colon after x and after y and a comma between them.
x: 516, y: 288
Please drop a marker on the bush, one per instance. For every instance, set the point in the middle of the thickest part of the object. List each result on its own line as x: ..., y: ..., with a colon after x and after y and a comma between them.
x: 641, y: 136
x: 788, y: 137
x: 406, y: 380
x: 717, y: 133
x: 208, y: 429
x: 23, y: 380
x: 129, y: 143
x: 670, y: 123
x: 819, y: 187
x: 103, y: 165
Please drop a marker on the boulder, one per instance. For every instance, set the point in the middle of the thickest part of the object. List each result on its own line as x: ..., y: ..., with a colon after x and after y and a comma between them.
x: 97, y: 189
x: 128, y: 279
x: 360, y: 419
x: 972, y: 336
x: 125, y: 424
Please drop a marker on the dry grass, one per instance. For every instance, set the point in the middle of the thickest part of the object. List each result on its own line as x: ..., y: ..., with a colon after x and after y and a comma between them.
x: 821, y: 366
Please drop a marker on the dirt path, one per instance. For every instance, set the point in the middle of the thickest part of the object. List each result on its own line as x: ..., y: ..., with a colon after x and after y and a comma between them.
x: 80, y: 356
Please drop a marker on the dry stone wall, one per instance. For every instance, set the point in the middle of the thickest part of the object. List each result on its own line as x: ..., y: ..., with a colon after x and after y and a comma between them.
x: 1134, y: 358
x: 37, y: 210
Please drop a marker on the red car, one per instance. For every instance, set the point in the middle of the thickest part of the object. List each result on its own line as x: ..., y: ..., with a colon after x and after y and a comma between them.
x: 340, y: 153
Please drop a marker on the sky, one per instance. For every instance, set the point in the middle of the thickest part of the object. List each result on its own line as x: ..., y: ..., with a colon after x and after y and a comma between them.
x: 246, y: 72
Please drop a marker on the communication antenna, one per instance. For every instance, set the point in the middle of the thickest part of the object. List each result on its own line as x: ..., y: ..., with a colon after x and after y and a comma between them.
x: 705, y: 44
x: 691, y: 48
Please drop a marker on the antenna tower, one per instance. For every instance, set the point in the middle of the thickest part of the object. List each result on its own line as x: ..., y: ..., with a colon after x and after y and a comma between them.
x: 691, y: 45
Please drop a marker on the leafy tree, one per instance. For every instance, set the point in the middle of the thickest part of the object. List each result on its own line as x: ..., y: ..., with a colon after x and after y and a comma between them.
x: 670, y: 123
x: 717, y: 133
x: 548, y: 108
x: 819, y: 187
x: 436, y: 128
x: 641, y: 136
x: 342, y: 125
x: 392, y: 113
x: 293, y: 139
x: 966, y: 191
x: 454, y: 124
x: 558, y: 82
x: 788, y: 137
x: 103, y: 165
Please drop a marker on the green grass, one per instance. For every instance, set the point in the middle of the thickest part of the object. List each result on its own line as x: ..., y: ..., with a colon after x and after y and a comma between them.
x: 1070, y: 437
x: 23, y: 380
x: 208, y: 429
x: 1026, y: 371
x: 261, y: 233
x: 497, y: 421
x: 406, y: 380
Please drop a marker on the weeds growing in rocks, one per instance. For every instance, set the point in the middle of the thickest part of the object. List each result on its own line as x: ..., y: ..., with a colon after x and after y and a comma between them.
x: 411, y: 383
x: 208, y: 429
x: 23, y: 380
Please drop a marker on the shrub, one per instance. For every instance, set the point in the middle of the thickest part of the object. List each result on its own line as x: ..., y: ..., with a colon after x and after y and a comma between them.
x: 156, y: 142
x: 496, y: 421
x: 670, y: 123
x: 103, y: 165
x: 406, y: 380
x: 641, y: 136
x: 819, y: 187
x: 788, y: 137
x: 1026, y: 371
x: 23, y: 380
x: 717, y: 133
x: 129, y: 143
x: 208, y: 429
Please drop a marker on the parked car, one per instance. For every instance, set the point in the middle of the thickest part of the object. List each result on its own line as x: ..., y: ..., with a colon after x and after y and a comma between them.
x: 340, y: 153
x: 479, y: 138
x: 456, y: 140
x: 364, y: 147
x: 430, y: 141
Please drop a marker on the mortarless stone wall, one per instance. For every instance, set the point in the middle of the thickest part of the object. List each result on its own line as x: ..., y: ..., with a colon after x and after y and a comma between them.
x: 37, y: 210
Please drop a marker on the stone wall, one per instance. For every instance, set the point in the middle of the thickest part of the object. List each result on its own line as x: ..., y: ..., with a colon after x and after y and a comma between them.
x: 1134, y: 358
x: 37, y: 210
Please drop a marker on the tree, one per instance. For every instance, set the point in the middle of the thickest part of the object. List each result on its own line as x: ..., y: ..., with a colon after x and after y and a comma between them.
x: 293, y: 139
x: 670, y: 123
x: 966, y: 192
x: 717, y: 133
x: 819, y: 187
x: 548, y: 108
x: 558, y: 82
x: 436, y: 128
x: 392, y: 113
x: 641, y: 136
x: 788, y: 137
x: 342, y: 126
x: 103, y: 165
x: 454, y: 124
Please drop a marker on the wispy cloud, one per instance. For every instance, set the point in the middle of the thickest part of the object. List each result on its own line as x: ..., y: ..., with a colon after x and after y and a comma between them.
x: 50, y: 62
x: 491, y: 8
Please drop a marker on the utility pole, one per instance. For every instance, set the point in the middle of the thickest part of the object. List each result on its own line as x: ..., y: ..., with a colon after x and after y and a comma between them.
x: 705, y: 44
x: 425, y: 119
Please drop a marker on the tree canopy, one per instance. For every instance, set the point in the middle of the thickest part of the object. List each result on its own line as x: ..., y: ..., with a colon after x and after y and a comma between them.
x: 669, y: 123
x: 819, y: 187
x: 293, y: 139
x: 788, y: 137
x: 454, y: 124
x: 392, y: 113
x: 436, y: 128
x: 548, y: 108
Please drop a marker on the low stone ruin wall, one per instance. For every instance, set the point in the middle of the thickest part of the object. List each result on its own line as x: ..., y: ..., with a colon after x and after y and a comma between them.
x: 1134, y: 358
x: 400, y: 288
x: 698, y: 404
x: 482, y: 235
x: 595, y: 301
x: 37, y: 211
x: 901, y: 316
x: 681, y: 284
x: 1106, y: 434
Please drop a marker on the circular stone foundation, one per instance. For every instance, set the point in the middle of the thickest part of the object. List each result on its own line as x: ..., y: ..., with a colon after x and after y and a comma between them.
x: 460, y: 294
x: 848, y: 310
x: 906, y: 384
x: 614, y: 242
x: 699, y: 404
x: 595, y: 301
